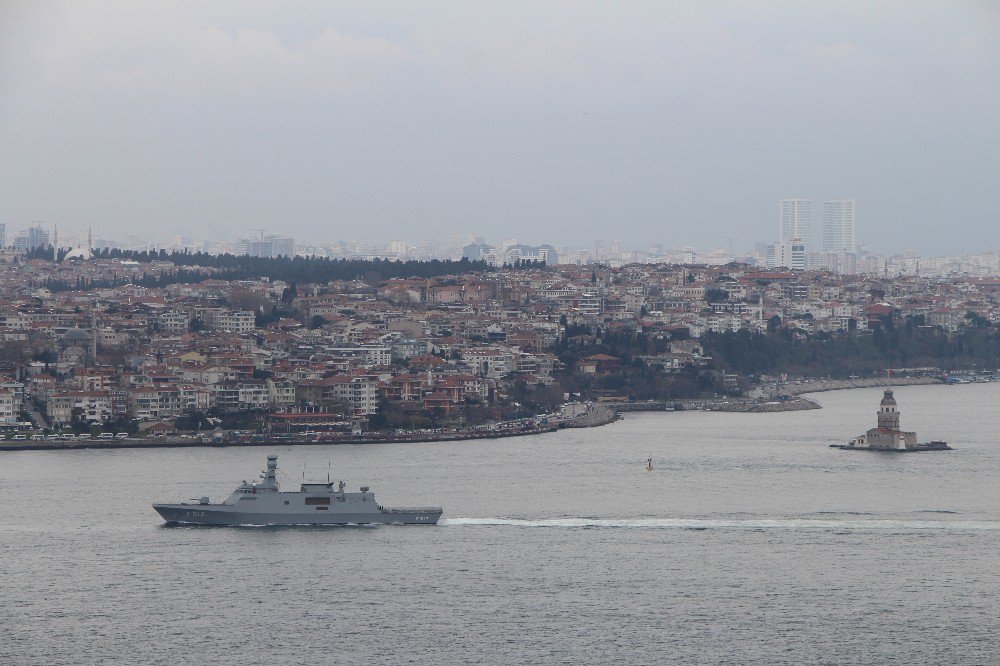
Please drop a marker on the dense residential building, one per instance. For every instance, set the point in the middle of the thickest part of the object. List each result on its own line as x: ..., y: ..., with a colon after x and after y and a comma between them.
x: 462, y: 348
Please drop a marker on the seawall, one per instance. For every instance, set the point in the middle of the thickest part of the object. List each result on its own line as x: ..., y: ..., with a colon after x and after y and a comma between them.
x: 821, y: 385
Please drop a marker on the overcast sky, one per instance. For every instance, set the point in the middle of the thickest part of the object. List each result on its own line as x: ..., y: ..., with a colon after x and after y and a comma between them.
x: 673, y: 122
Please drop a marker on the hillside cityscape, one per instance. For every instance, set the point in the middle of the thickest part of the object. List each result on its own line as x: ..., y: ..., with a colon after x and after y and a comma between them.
x: 268, y: 335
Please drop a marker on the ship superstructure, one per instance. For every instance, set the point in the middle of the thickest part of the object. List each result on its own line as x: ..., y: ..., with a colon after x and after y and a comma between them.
x: 264, y: 503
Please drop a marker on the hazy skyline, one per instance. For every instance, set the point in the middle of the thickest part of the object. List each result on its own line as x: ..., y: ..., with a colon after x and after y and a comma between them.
x: 680, y: 123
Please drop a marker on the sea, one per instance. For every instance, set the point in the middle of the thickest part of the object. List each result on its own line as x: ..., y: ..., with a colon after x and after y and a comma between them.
x: 750, y: 541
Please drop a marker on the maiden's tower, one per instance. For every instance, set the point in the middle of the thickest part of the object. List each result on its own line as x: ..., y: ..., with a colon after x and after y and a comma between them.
x: 886, y: 435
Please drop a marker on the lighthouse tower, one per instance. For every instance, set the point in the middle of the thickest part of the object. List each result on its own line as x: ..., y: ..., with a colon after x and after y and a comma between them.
x: 888, y: 416
x: 887, y: 434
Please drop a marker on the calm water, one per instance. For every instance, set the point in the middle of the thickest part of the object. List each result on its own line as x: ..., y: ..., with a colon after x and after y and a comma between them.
x: 751, y: 541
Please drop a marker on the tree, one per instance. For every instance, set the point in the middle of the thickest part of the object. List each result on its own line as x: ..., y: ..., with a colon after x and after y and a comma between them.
x: 716, y: 295
x: 289, y: 294
x: 977, y: 320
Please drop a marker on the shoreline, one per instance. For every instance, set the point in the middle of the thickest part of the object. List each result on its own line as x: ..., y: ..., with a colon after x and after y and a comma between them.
x: 374, y: 438
x: 600, y: 414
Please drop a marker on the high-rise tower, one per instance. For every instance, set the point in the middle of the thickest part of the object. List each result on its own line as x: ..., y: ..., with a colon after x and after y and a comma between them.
x: 796, y: 221
x: 839, y: 226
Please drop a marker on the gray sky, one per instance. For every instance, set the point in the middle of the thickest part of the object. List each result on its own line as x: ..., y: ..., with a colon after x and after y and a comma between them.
x: 557, y: 122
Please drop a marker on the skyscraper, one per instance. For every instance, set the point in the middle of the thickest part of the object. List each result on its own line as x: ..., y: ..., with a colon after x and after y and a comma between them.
x: 839, y: 226
x: 32, y: 237
x: 796, y: 221
x: 3, y: 235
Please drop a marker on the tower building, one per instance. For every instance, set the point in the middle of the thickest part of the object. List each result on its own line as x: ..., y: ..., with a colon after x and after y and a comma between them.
x: 888, y: 415
x: 839, y: 226
x: 886, y: 435
x: 796, y: 221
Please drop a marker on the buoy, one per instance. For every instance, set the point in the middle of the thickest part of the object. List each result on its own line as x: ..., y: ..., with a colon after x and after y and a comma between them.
x: 649, y: 464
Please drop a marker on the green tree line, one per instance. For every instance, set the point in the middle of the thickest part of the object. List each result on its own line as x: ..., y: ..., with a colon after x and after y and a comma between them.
x: 855, y: 353
x: 288, y: 269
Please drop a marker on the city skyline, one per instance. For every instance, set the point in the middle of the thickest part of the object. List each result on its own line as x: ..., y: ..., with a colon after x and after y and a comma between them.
x: 263, y: 242
x: 323, y: 120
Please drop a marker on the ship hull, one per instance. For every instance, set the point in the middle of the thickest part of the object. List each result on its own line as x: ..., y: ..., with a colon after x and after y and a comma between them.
x: 207, y: 514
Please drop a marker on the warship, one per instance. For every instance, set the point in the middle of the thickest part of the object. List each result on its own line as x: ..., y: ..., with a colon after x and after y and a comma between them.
x: 264, y: 503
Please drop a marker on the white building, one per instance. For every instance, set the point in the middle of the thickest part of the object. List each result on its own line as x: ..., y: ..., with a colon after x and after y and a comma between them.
x: 365, y: 355
x: 172, y: 322
x: 790, y: 253
x: 241, y: 396
x: 9, y: 407
x: 796, y: 221
x: 154, y: 402
x: 91, y: 406
x: 359, y: 393
x: 839, y: 226
x: 492, y: 362
x: 236, y: 321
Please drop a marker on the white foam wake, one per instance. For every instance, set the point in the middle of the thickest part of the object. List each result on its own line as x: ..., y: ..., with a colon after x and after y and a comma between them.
x: 707, y: 524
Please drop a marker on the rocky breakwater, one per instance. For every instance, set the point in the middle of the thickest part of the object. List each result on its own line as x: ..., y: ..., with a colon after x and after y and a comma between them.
x: 596, y: 415
x: 718, y: 405
x: 755, y: 406
x: 820, y: 385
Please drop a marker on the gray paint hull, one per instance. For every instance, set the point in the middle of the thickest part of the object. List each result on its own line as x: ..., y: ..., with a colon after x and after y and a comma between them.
x: 202, y: 514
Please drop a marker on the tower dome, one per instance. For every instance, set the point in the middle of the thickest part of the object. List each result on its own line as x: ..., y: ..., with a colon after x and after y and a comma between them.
x: 888, y: 417
x: 80, y: 253
x: 75, y: 336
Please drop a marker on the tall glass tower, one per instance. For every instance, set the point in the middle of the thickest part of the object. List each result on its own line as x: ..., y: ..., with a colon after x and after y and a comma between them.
x: 839, y: 226
x: 796, y: 221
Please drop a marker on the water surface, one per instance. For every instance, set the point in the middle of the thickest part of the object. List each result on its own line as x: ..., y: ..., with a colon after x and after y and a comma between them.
x: 750, y: 541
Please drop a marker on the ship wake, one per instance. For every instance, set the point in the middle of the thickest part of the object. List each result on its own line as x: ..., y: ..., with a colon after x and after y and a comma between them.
x: 727, y: 524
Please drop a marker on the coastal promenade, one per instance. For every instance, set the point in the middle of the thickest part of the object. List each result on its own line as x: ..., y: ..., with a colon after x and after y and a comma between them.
x: 595, y: 415
x: 266, y: 440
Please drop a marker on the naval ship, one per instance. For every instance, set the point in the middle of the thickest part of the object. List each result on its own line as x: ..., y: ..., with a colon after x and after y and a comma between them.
x: 263, y: 503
